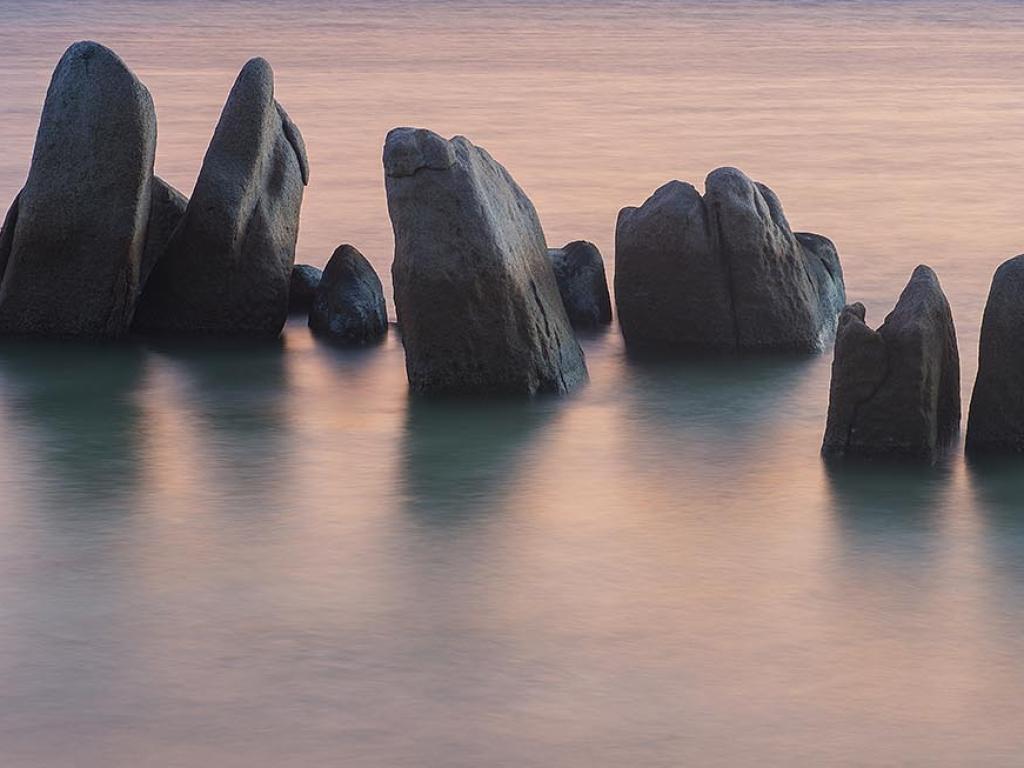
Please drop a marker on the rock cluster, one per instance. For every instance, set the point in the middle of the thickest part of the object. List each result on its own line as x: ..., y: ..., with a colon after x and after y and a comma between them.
x: 723, y: 272
x: 95, y: 244
x: 348, y: 306
x: 476, y: 297
x: 579, y: 271
x: 896, y: 391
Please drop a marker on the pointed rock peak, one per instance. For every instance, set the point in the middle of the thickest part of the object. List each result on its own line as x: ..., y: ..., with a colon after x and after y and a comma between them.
x: 922, y: 292
x: 408, y: 150
x: 257, y: 78
x: 90, y: 65
x: 347, y: 260
x: 728, y: 177
x: 250, y: 98
x: 732, y: 189
x: 90, y: 54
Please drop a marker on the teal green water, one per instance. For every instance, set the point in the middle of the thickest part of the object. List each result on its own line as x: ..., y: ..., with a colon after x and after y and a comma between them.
x: 268, y: 555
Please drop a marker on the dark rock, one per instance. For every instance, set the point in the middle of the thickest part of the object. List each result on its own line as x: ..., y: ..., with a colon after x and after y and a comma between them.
x: 996, y: 420
x: 349, y: 304
x: 671, y: 286
x: 896, y: 391
x: 7, y: 233
x: 165, y: 213
x: 227, y: 268
x: 822, y: 262
x: 579, y: 271
x: 73, y: 241
x: 475, y: 294
x: 723, y: 272
x: 302, y: 287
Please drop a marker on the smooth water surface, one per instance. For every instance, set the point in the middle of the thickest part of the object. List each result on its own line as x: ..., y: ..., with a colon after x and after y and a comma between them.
x: 268, y: 555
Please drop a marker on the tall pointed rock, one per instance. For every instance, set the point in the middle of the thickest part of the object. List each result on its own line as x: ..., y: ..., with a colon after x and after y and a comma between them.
x: 73, y: 241
x: 475, y: 293
x: 226, y: 269
x: 895, y: 392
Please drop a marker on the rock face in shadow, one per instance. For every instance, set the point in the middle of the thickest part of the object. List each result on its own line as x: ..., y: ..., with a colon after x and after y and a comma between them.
x: 226, y: 270
x: 579, y: 271
x: 723, y: 272
x: 349, y: 306
x: 896, y: 391
x: 166, y: 211
x: 73, y: 241
x: 996, y: 420
x: 302, y: 287
x: 475, y: 294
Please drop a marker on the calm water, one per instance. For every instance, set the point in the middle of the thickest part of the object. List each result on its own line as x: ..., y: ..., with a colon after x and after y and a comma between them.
x: 268, y: 556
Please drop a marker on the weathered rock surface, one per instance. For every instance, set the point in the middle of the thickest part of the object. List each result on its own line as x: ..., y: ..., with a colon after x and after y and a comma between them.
x: 302, y: 287
x: 73, y: 241
x: 349, y: 305
x: 475, y: 294
x: 166, y: 211
x: 996, y: 420
x: 7, y: 233
x: 896, y: 391
x: 227, y: 268
x: 723, y: 272
x: 579, y: 271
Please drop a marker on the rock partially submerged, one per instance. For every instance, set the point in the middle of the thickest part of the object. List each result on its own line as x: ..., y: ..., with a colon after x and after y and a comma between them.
x: 996, y: 420
x: 475, y: 294
x: 896, y: 391
x: 166, y: 211
x: 72, y: 245
x: 302, y: 287
x: 723, y: 272
x: 349, y: 305
x: 226, y: 270
x: 579, y: 271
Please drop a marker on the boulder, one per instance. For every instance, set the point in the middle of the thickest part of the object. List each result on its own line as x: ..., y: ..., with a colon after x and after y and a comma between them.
x: 166, y: 210
x: 896, y: 391
x: 579, y: 271
x: 996, y: 420
x: 227, y: 268
x: 349, y: 307
x: 475, y: 294
x: 73, y: 241
x: 302, y: 287
x: 723, y: 272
